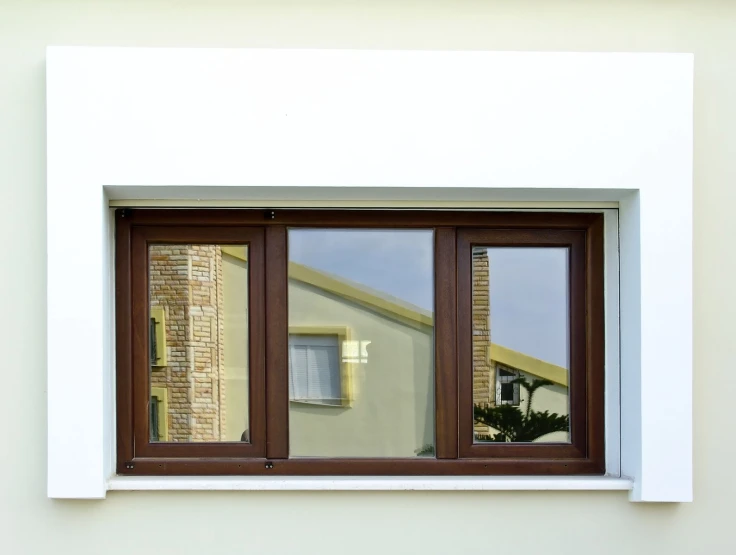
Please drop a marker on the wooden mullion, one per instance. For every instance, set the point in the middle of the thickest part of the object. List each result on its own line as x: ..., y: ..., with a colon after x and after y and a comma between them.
x: 465, y: 344
x: 140, y: 325
x: 257, y: 337
x: 595, y: 342
x: 277, y: 341
x: 445, y: 338
x: 124, y: 343
x: 579, y: 372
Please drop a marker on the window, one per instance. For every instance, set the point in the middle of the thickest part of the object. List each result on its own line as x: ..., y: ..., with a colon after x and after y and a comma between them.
x: 359, y: 342
x: 314, y: 369
x: 507, y: 387
x: 159, y: 408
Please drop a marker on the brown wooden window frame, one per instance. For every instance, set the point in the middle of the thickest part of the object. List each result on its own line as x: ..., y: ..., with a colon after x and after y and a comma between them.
x: 265, y: 233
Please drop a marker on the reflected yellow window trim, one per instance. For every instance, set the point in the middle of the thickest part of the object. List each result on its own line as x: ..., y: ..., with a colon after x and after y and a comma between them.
x: 159, y: 315
x: 343, y: 334
x: 161, y: 395
x: 527, y: 364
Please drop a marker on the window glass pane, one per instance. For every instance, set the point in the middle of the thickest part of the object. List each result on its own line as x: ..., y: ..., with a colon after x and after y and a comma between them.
x: 199, y: 342
x: 361, y: 375
x: 521, y: 344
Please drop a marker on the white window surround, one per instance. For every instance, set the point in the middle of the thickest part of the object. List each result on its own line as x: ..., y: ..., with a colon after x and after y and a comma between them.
x: 362, y: 128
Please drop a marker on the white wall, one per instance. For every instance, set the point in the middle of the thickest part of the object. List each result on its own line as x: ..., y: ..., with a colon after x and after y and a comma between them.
x: 391, y: 522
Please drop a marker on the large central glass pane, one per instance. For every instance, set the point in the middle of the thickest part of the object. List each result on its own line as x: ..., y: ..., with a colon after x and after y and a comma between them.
x: 361, y: 324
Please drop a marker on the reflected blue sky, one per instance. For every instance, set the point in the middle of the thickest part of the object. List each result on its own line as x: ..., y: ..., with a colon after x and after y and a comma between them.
x: 397, y: 262
x: 529, y: 305
x: 528, y: 286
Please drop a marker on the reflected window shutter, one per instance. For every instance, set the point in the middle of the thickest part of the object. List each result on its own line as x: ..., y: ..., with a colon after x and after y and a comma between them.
x: 314, y: 368
x: 298, y: 371
x: 323, y: 372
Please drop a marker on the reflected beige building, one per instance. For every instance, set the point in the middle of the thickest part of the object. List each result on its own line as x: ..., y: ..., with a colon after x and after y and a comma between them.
x: 388, y: 370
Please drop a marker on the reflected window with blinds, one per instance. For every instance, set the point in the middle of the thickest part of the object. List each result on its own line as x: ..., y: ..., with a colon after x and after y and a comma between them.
x: 314, y: 369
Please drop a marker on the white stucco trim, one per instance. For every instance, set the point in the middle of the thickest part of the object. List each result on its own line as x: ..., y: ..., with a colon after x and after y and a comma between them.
x: 370, y: 483
x: 235, y: 126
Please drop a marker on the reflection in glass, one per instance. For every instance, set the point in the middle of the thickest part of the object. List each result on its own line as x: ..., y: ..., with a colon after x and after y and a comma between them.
x: 361, y: 377
x: 198, y: 343
x: 520, y: 344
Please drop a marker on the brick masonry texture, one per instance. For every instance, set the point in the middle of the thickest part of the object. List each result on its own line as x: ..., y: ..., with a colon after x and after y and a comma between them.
x: 484, y: 377
x: 186, y: 280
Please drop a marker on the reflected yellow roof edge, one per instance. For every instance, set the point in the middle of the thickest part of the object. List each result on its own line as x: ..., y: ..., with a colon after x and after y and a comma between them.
x: 340, y: 288
x: 236, y: 251
x: 316, y: 278
x: 528, y: 364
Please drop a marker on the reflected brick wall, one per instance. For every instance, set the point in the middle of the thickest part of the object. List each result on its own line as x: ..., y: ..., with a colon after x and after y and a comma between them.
x: 483, y: 372
x: 186, y: 280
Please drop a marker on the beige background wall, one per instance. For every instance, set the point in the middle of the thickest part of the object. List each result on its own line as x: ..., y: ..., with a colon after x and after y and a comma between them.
x: 235, y: 337
x: 553, y: 398
x: 368, y: 522
x: 392, y: 412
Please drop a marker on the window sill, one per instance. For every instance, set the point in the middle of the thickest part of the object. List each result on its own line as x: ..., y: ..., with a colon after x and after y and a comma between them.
x: 341, y: 405
x: 347, y: 483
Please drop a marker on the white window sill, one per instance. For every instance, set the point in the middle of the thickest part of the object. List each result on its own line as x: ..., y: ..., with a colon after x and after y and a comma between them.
x: 371, y: 483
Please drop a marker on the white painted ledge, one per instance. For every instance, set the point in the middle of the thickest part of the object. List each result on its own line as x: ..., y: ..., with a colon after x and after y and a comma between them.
x: 347, y: 483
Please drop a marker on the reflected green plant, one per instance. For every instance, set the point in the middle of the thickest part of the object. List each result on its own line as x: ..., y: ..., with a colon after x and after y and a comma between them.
x: 426, y: 450
x: 517, y: 426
